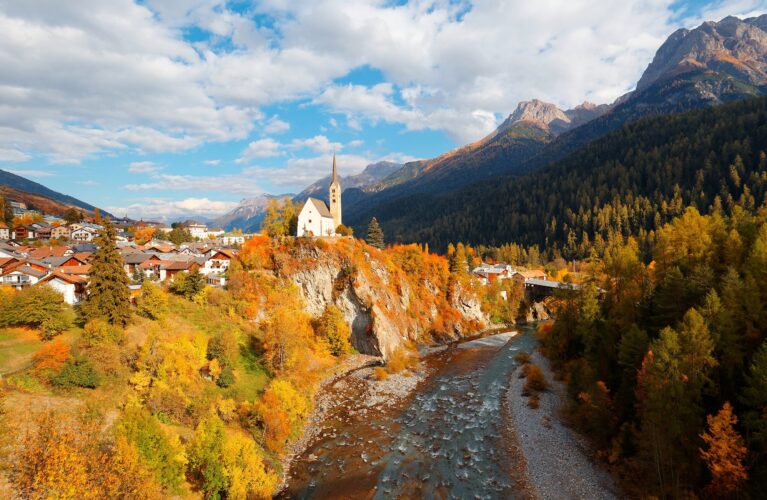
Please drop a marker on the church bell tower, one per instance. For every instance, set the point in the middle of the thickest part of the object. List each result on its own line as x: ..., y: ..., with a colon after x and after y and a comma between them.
x: 335, y: 196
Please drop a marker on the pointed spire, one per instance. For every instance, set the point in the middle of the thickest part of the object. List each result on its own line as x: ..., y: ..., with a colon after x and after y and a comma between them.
x: 335, y: 176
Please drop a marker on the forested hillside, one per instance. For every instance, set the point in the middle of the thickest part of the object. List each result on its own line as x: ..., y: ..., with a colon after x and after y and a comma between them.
x: 628, y: 183
x: 667, y: 362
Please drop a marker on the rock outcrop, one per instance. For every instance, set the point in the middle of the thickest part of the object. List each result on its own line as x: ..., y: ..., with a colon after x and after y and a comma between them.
x: 549, y: 117
x: 384, y: 305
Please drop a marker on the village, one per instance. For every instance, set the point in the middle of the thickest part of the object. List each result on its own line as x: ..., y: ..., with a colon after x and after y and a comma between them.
x: 43, y: 248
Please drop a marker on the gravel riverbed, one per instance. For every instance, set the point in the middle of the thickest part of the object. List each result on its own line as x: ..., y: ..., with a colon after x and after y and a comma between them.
x: 557, y: 460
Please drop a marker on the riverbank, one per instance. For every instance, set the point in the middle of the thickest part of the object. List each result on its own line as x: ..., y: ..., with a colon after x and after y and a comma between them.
x: 323, y: 403
x: 352, y: 386
x: 556, y: 460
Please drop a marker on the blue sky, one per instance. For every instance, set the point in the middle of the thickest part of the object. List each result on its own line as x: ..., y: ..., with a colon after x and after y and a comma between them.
x: 174, y: 108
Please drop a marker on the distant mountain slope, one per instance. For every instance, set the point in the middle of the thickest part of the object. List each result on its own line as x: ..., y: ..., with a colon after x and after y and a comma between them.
x: 248, y: 215
x: 20, y: 184
x: 712, y: 64
x: 372, y: 174
x: 629, y: 182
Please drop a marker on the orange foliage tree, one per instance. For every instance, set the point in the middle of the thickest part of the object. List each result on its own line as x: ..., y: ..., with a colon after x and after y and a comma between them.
x: 724, y: 454
x: 51, y: 356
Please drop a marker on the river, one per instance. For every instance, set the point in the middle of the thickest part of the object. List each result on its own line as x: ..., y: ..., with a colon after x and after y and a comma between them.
x: 447, y: 440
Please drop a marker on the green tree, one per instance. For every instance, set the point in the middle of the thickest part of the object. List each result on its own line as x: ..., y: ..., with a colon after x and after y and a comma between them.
x: 153, y: 302
x: 188, y: 284
x: 38, y: 306
x: 754, y: 397
x: 72, y: 215
x: 375, y: 235
x: 108, y: 297
x: 332, y: 327
x: 161, y: 452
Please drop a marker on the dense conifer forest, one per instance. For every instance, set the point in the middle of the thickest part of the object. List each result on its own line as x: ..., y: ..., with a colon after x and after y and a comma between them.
x: 630, y: 182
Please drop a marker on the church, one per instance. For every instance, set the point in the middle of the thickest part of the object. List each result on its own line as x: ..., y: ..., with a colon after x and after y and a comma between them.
x: 316, y: 219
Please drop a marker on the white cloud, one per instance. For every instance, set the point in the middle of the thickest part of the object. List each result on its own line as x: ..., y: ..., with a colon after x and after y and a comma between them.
x: 212, y: 163
x: 143, y: 167
x: 318, y: 144
x: 31, y: 173
x: 261, y: 148
x: 13, y: 155
x: 230, y: 183
x: 276, y: 126
x: 164, y: 208
x: 82, y: 79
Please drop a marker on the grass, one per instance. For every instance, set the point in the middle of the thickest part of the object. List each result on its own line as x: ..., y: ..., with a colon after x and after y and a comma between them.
x: 251, y: 378
x: 17, y: 346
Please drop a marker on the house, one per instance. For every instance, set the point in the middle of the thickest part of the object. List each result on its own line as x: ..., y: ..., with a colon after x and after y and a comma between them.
x: 7, y: 263
x: 24, y: 233
x: 198, y: 230
x: 19, y: 277
x: 491, y: 273
x: 73, y: 287
x: 227, y: 239
x: 315, y: 218
x: 218, y: 262
x: 82, y: 234
x: 132, y: 261
x: 43, y: 233
x: 64, y: 261
x: 5, y: 232
x: 523, y: 276
x: 61, y: 232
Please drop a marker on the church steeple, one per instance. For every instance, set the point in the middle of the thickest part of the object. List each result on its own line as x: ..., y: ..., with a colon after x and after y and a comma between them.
x: 335, y: 196
x: 335, y: 176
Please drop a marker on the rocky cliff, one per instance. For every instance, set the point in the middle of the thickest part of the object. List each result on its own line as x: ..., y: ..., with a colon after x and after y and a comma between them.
x: 388, y: 297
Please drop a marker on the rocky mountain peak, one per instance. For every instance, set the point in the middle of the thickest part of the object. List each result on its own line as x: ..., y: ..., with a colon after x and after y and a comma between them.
x: 731, y: 46
x: 538, y: 112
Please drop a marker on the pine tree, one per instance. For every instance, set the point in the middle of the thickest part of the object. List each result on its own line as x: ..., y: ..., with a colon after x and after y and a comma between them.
x: 375, y: 236
x: 108, y: 294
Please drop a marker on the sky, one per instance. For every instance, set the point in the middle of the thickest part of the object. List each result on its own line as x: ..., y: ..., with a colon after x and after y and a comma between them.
x: 172, y: 108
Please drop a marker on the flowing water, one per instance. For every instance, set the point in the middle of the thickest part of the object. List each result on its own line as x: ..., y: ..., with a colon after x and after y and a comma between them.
x: 447, y: 440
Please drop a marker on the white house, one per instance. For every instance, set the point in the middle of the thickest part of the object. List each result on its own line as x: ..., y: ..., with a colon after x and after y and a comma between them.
x: 5, y: 232
x: 82, y: 234
x: 72, y: 286
x: 198, y: 230
x: 22, y: 276
x: 315, y: 219
x: 218, y: 262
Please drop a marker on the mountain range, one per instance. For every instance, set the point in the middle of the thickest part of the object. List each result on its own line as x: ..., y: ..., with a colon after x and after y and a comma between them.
x: 19, y: 188
x: 715, y: 63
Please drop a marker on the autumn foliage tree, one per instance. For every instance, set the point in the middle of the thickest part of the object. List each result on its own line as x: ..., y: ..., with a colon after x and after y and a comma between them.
x: 333, y: 329
x: 724, y: 454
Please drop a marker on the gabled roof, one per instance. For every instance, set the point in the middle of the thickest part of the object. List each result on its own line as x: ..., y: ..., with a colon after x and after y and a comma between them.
x: 138, y: 258
x: 227, y: 252
x: 27, y: 270
x: 320, y: 206
x: 44, y: 252
x: 59, y: 261
x: 177, y: 265
x: 68, y: 278
x: 83, y: 270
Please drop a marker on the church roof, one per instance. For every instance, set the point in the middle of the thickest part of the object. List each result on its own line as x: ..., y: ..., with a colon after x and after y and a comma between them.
x: 320, y: 206
x: 334, y: 178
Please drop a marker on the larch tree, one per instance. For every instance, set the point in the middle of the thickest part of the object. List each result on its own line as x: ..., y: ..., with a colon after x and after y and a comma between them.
x: 108, y: 297
x: 375, y: 236
x: 332, y: 328
x: 724, y: 454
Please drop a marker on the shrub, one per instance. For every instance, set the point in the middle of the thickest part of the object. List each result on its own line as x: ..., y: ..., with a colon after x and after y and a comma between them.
x: 189, y: 285
x: 522, y: 357
x: 97, y: 332
x: 77, y: 372
x: 51, y: 356
x: 536, y: 380
x: 534, y: 402
x: 153, y: 302
x: 401, y: 359
x: 379, y: 373
x: 226, y: 378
